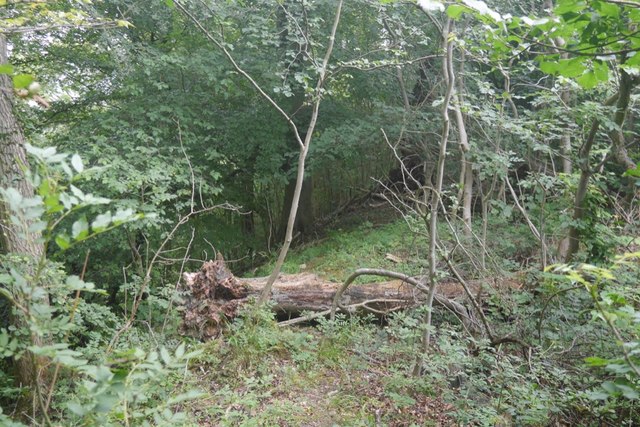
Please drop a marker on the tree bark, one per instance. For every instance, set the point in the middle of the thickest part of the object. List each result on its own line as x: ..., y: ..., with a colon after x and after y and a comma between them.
x: 618, y: 146
x: 449, y: 78
x: 214, y: 296
x: 565, y: 140
x: 13, y: 162
x: 584, y: 164
x: 17, y: 238
x: 466, y: 166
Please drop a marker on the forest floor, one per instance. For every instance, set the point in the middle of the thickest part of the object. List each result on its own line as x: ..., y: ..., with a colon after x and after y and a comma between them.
x: 353, y: 372
x: 358, y: 371
x: 323, y: 385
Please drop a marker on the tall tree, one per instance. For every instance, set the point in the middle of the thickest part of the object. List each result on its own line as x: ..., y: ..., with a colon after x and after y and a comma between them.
x: 20, y: 236
x: 16, y: 238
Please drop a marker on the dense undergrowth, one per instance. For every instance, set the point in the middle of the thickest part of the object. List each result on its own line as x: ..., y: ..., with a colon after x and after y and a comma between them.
x: 568, y: 356
x: 357, y: 371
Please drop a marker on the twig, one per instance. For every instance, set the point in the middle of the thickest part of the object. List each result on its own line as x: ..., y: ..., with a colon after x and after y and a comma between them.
x: 455, y: 307
x: 467, y: 290
x: 305, y: 318
x: 175, y: 288
x: 532, y: 227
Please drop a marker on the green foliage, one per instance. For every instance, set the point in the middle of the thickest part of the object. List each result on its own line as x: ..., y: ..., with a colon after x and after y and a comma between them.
x: 58, y: 199
x: 254, y: 337
x: 341, y: 335
x: 132, y: 388
x: 615, y: 299
x: 584, y: 39
x: 598, y: 231
x: 163, y: 124
x: 254, y: 334
x: 47, y: 310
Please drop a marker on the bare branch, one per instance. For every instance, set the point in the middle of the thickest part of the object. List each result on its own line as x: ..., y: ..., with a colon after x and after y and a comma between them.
x: 38, y: 28
x: 240, y: 70
x: 455, y: 307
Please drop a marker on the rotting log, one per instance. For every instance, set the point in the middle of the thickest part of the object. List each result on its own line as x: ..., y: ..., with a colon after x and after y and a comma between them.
x: 213, y: 296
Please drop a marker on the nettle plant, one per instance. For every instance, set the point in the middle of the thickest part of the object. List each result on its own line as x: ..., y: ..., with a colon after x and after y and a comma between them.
x: 43, y: 300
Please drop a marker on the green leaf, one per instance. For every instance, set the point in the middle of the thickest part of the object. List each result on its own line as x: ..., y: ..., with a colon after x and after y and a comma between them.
x: 180, y: 351
x: 588, y: 80
x: 22, y: 81
x: 69, y: 358
x: 628, y: 392
x: 37, y: 227
x: 63, y: 241
x: 607, y: 9
x: 78, y: 409
x: 52, y: 202
x: 77, y: 192
x: 74, y: 283
x: 103, y: 374
x: 6, y: 69
x: 601, y: 71
x: 596, y: 361
x: 76, y: 162
x: 101, y: 222
x: 569, y: 6
x: 598, y: 395
x: 455, y: 10
x: 123, y: 216
x: 633, y: 172
x: 80, y: 229
x: 164, y: 355
x: 549, y: 67
x: 106, y: 402
x: 571, y: 67
x: 170, y: 3
x: 633, y: 59
x: 68, y: 201
x: 123, y: 23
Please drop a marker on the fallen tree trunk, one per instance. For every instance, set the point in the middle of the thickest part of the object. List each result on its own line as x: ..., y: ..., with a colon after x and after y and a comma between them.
x: 214, y: 295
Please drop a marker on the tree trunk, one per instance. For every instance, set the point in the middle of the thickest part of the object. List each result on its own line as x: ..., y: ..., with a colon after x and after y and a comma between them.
x: 578, y: 214
x: 214, y: 296
x: 565, y: 141
x: 466, y: 166
x: 449, y: 78
x: 304, y: 150
x: 618, y: 146
x: 572, y: 243
x: 17, y: 239
x: 305, y: 218
x: 618, y: 149
x: 13, y: 161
